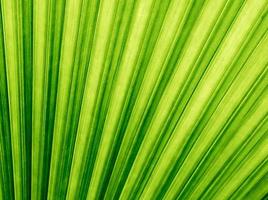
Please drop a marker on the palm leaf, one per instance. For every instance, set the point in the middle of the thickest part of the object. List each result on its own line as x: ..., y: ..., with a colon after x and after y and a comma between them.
x: 133, y: 99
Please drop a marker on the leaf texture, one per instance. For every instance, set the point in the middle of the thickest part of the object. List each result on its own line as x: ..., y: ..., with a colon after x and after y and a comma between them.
x: 133, y: 99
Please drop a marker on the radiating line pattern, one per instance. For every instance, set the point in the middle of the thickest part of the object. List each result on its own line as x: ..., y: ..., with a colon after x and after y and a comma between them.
x: 133, y: 99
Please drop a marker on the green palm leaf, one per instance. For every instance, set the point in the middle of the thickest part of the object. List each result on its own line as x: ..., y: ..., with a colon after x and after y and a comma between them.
x: 133, y: 99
